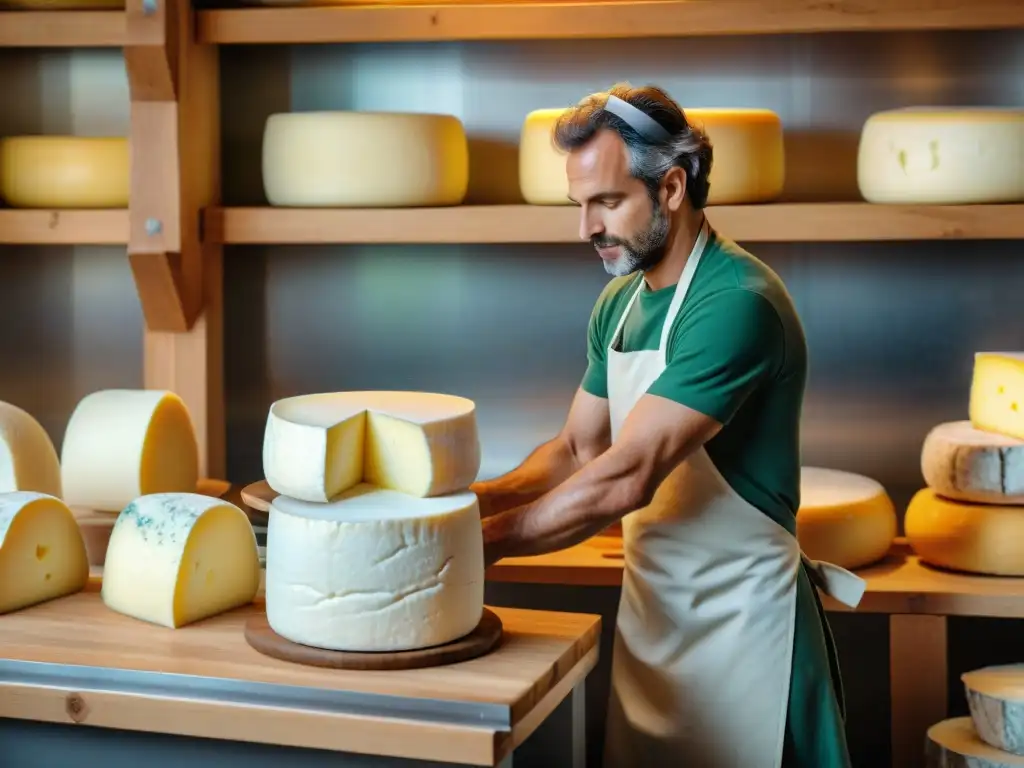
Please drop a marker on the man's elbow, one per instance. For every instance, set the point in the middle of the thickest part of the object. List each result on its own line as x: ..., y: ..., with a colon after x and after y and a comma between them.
x: 628, y: 491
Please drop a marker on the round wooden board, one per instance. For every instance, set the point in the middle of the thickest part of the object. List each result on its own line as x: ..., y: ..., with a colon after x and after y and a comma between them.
x: 259, y: 495
x: 481, y: 640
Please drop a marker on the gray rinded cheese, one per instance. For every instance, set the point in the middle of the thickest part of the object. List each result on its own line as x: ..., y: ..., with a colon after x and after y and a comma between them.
x: 968, y: 464
x: 996, y: 698
x: 954, y: 743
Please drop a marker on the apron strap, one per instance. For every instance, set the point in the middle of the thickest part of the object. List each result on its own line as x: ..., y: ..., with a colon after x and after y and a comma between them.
x: 683, y: 286
x: 625, y: 313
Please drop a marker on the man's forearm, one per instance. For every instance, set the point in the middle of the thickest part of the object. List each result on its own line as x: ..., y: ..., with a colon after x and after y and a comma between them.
x: 542, y: 470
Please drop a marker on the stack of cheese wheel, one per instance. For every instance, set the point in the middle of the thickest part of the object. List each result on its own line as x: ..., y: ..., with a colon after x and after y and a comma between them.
x: 364, y: 160
x: 951, y: 156
x: 971, y: 516
x: 64, y: 172
x: 375, y: 543
x: 748, y: 167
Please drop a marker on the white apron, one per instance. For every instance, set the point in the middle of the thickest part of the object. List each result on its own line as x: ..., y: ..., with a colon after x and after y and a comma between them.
x: 704, y: 639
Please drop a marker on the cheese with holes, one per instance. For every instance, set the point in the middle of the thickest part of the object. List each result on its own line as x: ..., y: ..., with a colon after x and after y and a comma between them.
x: 942, y: 156
x: 974, y: 538
x: 997, y: 392
x: 176, y: 558
x: 844, y: 518
x: 968, y: 464
x: 995, y: 696
x: 124, y: 443
x: 955, y: 743
x: 364, y: 159
x: 375, y: 570
x: 28, y: 460
x: 42, y: 555
x: 64, y: 172
x: 423, y: 444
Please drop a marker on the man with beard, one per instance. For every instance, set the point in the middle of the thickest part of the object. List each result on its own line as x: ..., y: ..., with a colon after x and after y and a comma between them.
x: 686, y: 426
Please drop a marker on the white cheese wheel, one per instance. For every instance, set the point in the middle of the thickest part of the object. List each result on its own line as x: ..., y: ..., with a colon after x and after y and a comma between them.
x: 42, y: 555
x: 748, y: 167
x: 64, y: 172
x: 997, y: 391
x: 942, y: 156
x: 968, y: 464
x: 364, y: 159
x: 974, y: 538
x: 954, y: 743
x: 28, y: 460
x: 124, y: 443
x: 176, y: 558
x: 995, y: 696
x: 423, y: 444
x: 844, y: 518
x: 375, y: 570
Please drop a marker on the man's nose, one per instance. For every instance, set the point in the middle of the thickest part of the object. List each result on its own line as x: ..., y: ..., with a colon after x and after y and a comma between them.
x: 590, y: 225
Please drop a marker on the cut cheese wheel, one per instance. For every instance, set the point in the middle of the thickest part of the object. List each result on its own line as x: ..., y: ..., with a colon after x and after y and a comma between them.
x: 844, y: 518
x: 317, y: 446
x: 995, y: 696
x: 42, y: 555
x: 375, y: 570
x: 997, y: 392
x: 364, y: 159
x: 974, y: 538
x: 28, y: 460
x: 176, y: 558
x: 64, y: 172
x: 124, y: 443
x: 942, y: 156
x: 968, y: 464
x: 954, y: 743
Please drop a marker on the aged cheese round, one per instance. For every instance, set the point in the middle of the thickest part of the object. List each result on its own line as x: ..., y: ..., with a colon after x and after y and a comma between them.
x: 28, y: 460
x: 954, y: 743
x: 942, y: 156
x: 995, y: 696
x: 967, y: 464
x: 974, y: 538
x: 364, y: 159
x: 542, y: 179
x: 64, y: 172
x: 375, y: 570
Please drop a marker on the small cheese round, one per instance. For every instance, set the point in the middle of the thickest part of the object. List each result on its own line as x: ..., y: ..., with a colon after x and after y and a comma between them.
x: 995, y: 696
x: 974, y: 538
x: 967, y: 464
x: 844, y: 518
x: 375, y: 570
x: 64, y: 172
x: 364, y: 159
x: 955, y: 743
x: 28, y: 460
x: 124, y: 443
x: 542, y: 179
x: 951, y: 156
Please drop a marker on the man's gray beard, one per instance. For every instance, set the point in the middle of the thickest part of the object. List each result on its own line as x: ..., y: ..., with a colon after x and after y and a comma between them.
x: 643, y: 252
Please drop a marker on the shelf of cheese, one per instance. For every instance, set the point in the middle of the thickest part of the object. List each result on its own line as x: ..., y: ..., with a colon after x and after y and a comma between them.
x: 62, y: 29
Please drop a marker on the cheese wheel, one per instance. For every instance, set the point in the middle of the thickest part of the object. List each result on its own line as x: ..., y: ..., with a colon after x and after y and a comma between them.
x: 124, y: 443
x: 64, y: 172
x: 364, y: 159
x: 968, y: 464
x: 974, y: 538
x: 42, y: 555
x: 844, y: 518
x: 997, y: 392
x: 375, y: 570
x: 954, y: 743
x: 942, y: 156
x: 995, y: 696
x: 748, y: 167
x: 28, y: 460
x: 318, y: 446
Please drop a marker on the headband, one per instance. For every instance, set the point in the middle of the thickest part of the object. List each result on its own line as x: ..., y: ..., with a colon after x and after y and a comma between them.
x: 637, y: 119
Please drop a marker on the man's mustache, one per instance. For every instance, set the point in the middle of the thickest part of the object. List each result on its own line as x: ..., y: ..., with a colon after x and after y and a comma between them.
x: 606, y: 242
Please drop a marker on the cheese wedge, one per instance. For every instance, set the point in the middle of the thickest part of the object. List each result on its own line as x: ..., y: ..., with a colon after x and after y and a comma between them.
x: 28, y: 460
x: 42, y: 555
x: 955, y: 743
x: 997, y: 393
x: 967, y: 464
x: 995, y: 696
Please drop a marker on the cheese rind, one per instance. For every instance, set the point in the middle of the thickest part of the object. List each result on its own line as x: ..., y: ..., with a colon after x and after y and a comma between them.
x: 997, y: 392
x: 28, y: 460
x: 318, y: 446
x: 844, y: 518
x: 954, y: 743
x: 364, y: 159
x: 375, y: 570
x: 64, y: 172
x: 176, y: 558
x: 967, y: 464
x: 42, y: 555
x: 995, y: 696
x: 124, y: 443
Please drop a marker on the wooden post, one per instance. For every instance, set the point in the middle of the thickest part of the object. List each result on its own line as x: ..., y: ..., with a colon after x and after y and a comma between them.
x: 918, y: 683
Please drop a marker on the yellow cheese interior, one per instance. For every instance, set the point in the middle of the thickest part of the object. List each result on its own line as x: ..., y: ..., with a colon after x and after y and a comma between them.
x: 997, y: 393
x: 170, y: 453
x: 398, y: 456
x: 344, y: 463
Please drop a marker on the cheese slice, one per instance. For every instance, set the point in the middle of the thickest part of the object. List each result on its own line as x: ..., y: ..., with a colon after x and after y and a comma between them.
x: 995, y: 696
x: 955, y: 743
x: 844, y: 518
x: 176, y: 558
x: 997, y: 393
x: 375, y: 570
x: 42, y: 555
x: 974, y: 538
x: 64, y: 172
x: 124, y: 443
x: 967, y: 464
x: 28, y: 460
x: 317, y: 446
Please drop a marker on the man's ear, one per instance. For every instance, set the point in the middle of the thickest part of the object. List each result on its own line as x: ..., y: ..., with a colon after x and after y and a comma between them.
x: 673, y: 188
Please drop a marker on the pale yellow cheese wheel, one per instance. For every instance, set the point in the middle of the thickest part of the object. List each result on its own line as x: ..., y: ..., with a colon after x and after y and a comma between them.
x: 64, y: 172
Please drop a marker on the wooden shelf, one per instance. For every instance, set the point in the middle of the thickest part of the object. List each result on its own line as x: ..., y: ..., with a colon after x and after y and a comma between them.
x: 778, y: 222
x: 62, y: 29
x: 67, y: 227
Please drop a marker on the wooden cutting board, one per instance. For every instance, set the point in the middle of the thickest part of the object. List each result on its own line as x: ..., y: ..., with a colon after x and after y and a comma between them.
x: 258, y: 496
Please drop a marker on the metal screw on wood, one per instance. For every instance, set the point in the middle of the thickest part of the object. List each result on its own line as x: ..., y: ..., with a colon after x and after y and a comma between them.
x: 149, y: 7
x: 153, y: 227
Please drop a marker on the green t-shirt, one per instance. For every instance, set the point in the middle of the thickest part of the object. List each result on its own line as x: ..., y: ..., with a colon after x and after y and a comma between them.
x: 737, y: 353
